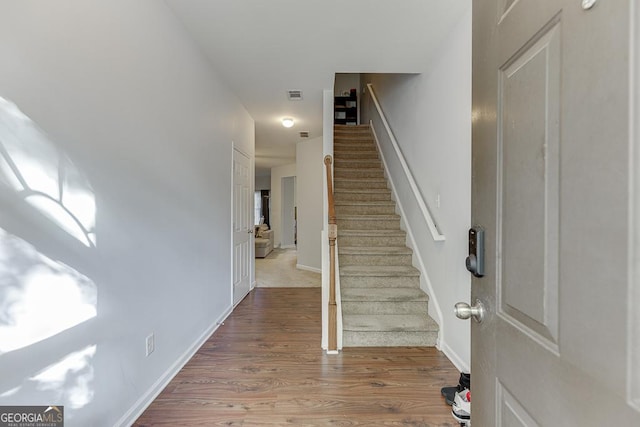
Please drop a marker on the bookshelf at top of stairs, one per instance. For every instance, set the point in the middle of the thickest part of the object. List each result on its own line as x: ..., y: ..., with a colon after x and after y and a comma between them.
x: 382, y: 303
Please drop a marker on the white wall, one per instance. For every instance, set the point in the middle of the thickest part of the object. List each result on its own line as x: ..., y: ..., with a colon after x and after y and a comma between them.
x: 430, y: 115
x: 346, y: 82
x: 263, y: 182
x: 275, y: 216
x: 309, y: 189
x: 121, y: 89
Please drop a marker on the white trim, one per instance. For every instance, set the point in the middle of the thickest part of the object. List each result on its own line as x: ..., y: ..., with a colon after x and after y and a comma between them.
x: 457, y: 361
x: 281, y: 246
x: 435, y: 233
x: 307, y: 268
x: 417, y: 257
x: 156, y: 388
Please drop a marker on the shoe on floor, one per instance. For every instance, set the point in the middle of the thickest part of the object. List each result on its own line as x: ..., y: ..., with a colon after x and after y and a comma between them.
x: 449, y: 392
x: 461, y: 408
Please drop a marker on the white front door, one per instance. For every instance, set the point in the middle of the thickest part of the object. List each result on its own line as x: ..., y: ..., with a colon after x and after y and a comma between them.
x: 551, y: 188
x: 242, y: 225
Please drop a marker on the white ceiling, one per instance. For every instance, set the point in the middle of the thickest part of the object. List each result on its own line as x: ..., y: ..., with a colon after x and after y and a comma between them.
x: 262, y: 48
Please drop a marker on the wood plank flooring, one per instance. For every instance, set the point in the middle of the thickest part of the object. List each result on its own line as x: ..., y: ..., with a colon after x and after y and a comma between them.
x: 264, y: 367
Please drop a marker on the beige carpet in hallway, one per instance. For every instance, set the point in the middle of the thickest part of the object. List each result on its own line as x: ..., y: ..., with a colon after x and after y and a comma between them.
x: 278, y: 270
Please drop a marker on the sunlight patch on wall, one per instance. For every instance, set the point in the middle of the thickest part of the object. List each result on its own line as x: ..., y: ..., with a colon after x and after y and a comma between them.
x: 46, y: 178
x: 70, y: 378
x: 39, y: 297
x: 10, y: 392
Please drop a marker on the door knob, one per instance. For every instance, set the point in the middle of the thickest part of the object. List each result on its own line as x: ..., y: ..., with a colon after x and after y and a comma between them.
x: 465, y: 311
x: 250, y: 231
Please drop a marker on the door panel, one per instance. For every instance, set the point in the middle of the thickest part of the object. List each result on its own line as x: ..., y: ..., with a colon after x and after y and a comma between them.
x: 242, y: 225
x: 528, y: 153
x: 550, y: 185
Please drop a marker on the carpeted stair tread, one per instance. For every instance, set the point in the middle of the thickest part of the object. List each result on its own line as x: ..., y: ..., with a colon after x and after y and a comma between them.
x: 358, y: 163
x: 350, y: 168
x: 361, y: 182
x: 337, y: 191
x: 372, y: 237
x: 374, y: 250
x: 365, y: 203
x: 371, y: 155
x: 365, y: 179
x: 388, y: 323
x: 362, y: 194
x: 363, y: 233
x: 375, y: 217
x: 367, y: 295
x: 379, y: 271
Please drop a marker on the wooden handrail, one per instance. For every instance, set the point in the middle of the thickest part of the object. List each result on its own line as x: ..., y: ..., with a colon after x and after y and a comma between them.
x: 333, y: 235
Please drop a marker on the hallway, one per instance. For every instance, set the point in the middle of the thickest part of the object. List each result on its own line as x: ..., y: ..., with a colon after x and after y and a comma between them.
x: 278, y: 270
x: 264, y: 366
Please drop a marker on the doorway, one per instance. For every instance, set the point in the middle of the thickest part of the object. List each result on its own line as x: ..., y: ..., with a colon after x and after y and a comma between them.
x: 242, y: 226
x: 288, y: 239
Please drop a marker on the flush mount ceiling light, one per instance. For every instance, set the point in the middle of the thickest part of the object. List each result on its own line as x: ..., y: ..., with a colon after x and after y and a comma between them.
x: 287, y: 122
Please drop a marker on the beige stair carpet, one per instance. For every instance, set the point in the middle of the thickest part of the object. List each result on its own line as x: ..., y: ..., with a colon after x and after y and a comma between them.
x: 382, y: 303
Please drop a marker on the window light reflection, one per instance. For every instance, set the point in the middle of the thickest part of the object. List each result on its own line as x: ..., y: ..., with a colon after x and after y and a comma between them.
x: 39, y: 297
x: 33, y: 167
x: 70, y: 378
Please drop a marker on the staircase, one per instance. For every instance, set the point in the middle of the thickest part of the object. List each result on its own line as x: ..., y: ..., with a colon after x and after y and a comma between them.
x: 382, y: 303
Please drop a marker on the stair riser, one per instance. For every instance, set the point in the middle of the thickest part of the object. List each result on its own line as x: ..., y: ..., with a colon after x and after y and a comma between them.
x: 351, y: 130
x: 339, y: 148
x: 354, y: 164
x: 384, y: 195
x: 376, y: 241
x: 386, y: 259
x: 342, y: 136
x: 360, y: 184
x: 365, y: 210
x: 354, y: 140
x: 389, y: 339
x: 379, y: 282
x: 345, y: 155
x: 378, y: 224
x: 340, y: 173
x: 386, y: 307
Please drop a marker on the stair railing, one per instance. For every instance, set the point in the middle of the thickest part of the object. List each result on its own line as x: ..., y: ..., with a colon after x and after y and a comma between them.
x: 333, y: 235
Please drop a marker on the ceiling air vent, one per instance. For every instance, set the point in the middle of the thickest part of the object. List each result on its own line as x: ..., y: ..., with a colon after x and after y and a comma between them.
x: 304, y: 134
x: 294, y: 95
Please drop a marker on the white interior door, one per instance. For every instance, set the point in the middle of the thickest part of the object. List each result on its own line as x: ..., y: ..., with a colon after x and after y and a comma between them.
x: 551, y: 188
x: 242, y: 225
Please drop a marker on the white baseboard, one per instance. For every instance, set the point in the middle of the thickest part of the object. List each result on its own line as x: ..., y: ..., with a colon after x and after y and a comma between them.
x: 307, y: 268
x: 454, y: 358
x: 147, y: 398
x: 287, y: 246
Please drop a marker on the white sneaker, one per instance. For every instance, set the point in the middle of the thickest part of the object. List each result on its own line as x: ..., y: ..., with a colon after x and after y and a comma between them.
x: 461, y: 408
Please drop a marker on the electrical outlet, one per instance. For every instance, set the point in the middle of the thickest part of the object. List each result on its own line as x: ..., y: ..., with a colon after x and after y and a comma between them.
x: 150, y: 343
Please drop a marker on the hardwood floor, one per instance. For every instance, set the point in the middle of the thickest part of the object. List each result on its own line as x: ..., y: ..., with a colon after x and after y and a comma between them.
x: 264, y: 367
